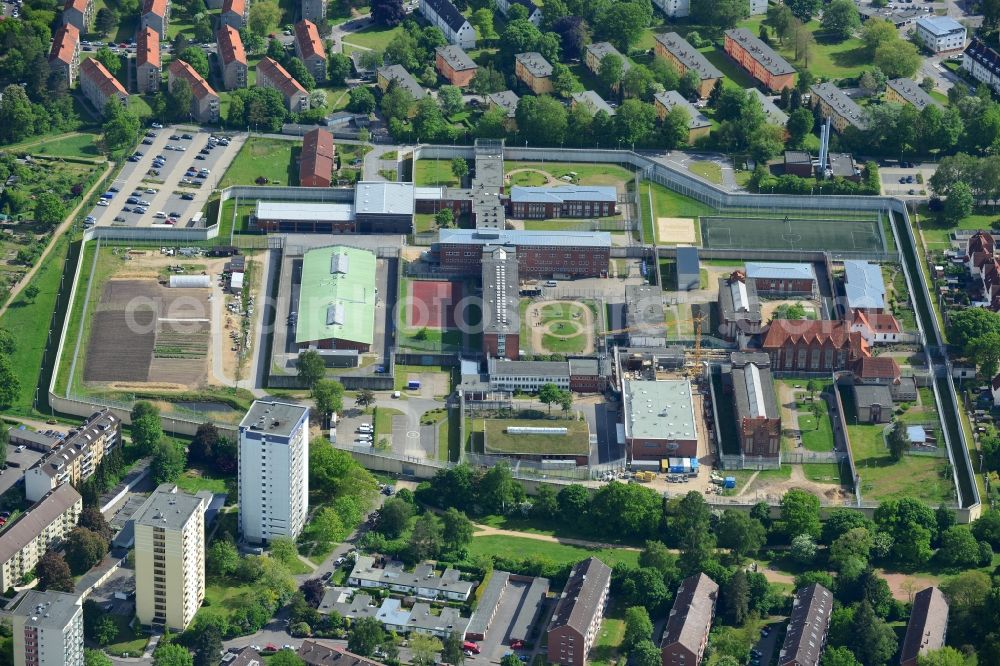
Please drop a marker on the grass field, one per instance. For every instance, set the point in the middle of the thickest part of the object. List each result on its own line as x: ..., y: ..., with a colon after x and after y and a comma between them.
x: 128, y: 641
x: 528, y: 179
x: 373, y: 38
x: 790, y: 234
x: 609, y: 638
x: 575, y: 442
x: 533, y: 549
x: 383, y: 423
x: 433, y: 172
x: 828, y: 59
x: 710, y: 171
x: 270, y: 158
x: 195, y: 480
x: 74, y: 144
x: 586, y: 174
x: 924, y: 478
x: 937, y: 234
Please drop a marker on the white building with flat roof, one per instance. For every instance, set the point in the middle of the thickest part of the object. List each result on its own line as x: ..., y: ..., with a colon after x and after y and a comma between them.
x: 48, y: 629
x: 273, y: 471
x: 941, y: 33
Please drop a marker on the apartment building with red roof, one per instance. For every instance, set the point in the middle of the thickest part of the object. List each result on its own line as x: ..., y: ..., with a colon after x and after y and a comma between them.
x: 235, y: 13
x: 309, y: 48
x: 79, y: 13
x: 316, y: 161
x: 813, y: 346
x: 99, y: 86
x: 148, y: 68
x: 232, y: 58
x: 270, y: 74
x: 65, y: 54
x: 205, y: 101
x: 156, y: 15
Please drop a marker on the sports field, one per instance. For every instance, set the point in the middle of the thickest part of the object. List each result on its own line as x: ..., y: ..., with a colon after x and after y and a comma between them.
x: 432, y: 303
x: 790, y: 233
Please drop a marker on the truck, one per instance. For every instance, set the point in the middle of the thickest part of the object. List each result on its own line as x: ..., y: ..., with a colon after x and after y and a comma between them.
x: 413, y: 385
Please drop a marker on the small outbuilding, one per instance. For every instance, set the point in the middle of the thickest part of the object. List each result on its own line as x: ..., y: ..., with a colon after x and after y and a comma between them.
x: 688, y: 269
x: 190, y: 281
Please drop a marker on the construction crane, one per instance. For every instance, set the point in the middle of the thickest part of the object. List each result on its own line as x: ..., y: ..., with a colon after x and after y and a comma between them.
x: 696, y: 320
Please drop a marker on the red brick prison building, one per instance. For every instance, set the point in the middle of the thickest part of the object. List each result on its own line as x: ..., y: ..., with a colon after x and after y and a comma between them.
x: 576, y: 254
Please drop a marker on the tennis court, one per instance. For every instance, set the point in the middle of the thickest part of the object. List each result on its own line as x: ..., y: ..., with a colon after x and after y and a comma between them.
x: 790, y: 233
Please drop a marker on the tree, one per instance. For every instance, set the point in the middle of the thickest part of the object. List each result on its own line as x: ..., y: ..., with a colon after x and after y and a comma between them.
x: 147, y: 430
x: 8, y: 344
x: 610, y: 71
x: 736, y: 597
x: 172, y: 654
x: 264, y: 16
x: 876, y: 32
x: 841, y: 19
x: 541, y: 120
x: 719, y: 15
x: 803, y: 549
x: 638, y: 627
x: 361, y: 100
x: 457, y: 531
x: 898, y: 59
x: 800, y: 513
x: 969, y: 324
x: 510, y: 659
x: 452, y: 651
x: 459, y: 167
x: 366, y: 634
x: 780, y: 17
x: 202, y: 447
x: 674, y: 131
x: 804, y: 10
x: 310, y: 367
x: 444, y: 218
x: 482, y: 21
x: 121, y: 126
x: 397, y: 102
x: 646, y: 654
x: 111, y: 61
x: 49, y: 209
x: 426, y: 538
x: 740, y: 533
x: 338, y: 68
x: 959, y: 203
x: 394, y: 517
x: 945, y: 656
x: 849, y: 553
x: 207, y: 645
x: 874, y: 641
x: 574, y: 504
x: 838, y: 656
x: 168, y: 462
x: 283, y: 549
x: 364, y: 398
x: 53, y: 573
x: 84, y: 549
x: 286, y: 657
x: 987, y: 528
x: 328, y: 395
x: 222, y: 558
x: 498, y: 491
x: 898, y: 440
x: 622, y: 23
x: 549, y: 394
x: 106, y: 20
x: 911, y: 526
x: 424, y: 649
x: 691, y: 522
x: 959, y: 548
x: 450, y: 99
x: 195, y: 56
x: 635, y: 122
x: 487, y: 80
x: 389, y: 13
x: 95, y: 658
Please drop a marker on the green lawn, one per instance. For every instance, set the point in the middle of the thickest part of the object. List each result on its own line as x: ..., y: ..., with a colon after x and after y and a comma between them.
x: 710, y: 171
x: 937, y: 234
x: 609, y: 639
x: 424, y: 222
x: 383, y: 423
x: 128, y: 642
x: 829, y: 59
x: 557, y: 553
x: 74, y: 144
x: 528, y: 179
x: 223, y: 596
x: 667, y: 203
x: 270, y: 158
x: 585, y: 174
x: 195, y: 480
x: 574, y: 442
x: 434, y: 172
x: 924, y: 478
x: 376, y: 37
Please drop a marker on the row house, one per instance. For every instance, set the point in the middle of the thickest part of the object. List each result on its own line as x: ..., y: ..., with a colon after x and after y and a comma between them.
x: 270, y: 74
x: 759, y: 60
x: 455, y: 65
x: 204, y: 101
x: 232, y: 58
x: 685, y: 58
x: 444, y: 15
x: 65, y: 54
x: 79, y: 14
x: 99, y: 86
x: 148, y: 68
x: 309, y: 49
x: 235, y: 13
x: 155, y: 15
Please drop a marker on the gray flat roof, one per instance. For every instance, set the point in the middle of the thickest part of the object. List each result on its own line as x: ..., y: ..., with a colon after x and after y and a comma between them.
x: 672, y: 98
x: 842, y: 164
x: 171, y: 509
x: 304, y: 211
x: 531, y: 606
x: 488, y: 601
x: 529, y: 238
x: 584, y: 366
x: 687, y: 261
x: 797, y: 157
x: 689, y: 56
x: 536, y: 65
x: 866, y: 395
x: 659, y: 409
x: 507, y: 100
x: 505, y: 368
x: 378, y: 198
x: 48, y: 610
x: 561, y: 193
x: 274, y: 418
x: 779, y: 270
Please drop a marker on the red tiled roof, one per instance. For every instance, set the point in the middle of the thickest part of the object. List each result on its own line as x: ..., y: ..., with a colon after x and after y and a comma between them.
x: 981, y: 241
x: 308, y: 40
x: 78, y: 5
x: 317, y: 156
x: 158, y: 7
x: 230, y: 45
x: 279, y: 76
x: 235, y: 6
x: 64, y: 43
x: 737, y: 276
x: 880, y: 322
x: 876, y: 367
x: 147, y: 49
x: 835, y: 332
x: 92, y: 69
x: 199, y: 86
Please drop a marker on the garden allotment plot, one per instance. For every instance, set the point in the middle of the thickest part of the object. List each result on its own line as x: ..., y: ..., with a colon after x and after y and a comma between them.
x: 791, y: 233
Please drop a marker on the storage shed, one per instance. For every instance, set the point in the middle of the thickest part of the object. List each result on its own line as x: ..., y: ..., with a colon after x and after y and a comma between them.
x: 688, y: 269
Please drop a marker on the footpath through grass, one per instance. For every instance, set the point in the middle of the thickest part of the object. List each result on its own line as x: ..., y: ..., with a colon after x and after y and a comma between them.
x: 520, y: 548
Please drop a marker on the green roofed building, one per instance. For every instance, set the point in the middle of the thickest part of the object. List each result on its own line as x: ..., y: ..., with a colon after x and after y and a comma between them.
x: 337, y: 299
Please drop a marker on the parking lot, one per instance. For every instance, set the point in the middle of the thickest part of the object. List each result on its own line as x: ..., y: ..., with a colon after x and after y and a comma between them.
x: 177, y: 189
x: 892, y: 175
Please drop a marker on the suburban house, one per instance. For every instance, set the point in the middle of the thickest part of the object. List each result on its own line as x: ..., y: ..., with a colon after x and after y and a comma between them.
x: 758, y: 419
x: 316, y: 160
x: 64, y: 57
x: 309, y: 49
x: 455, y: 65
x: 591, y: 101
x: 79, y: 13
x: 535, y: 71
x: 397, y: 74
x: 940, y: 34
x: 595, y: 54
x: 927, y: 627
x: 805, y: 637
x: 678, y: 52
x: 205, y: 101
x: 979, y: 250
x: 759, y: 60
x: 834, y: 104
x: 698, y: 124
x: 270, y: 74
x: 534, y: 11
x: 907, y: 91
x: 155, y: 14
x: 232, y: 58
x: 813, y: 346
x: 686, y: 632
x: 234, y: 13
x: 578, y: 614
x: 99, y: 86
x: 424, y: 582
x: 148, y: 68
x: 739, y: 307
x: 444, y: 15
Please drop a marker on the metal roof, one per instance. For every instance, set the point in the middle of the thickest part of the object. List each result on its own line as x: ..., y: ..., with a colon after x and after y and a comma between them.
x: 863, y: 285
x: 659, y: 409
x: 530, y: 238
x: 378, y: 198
x: 301, y: 211
x: 563, y: 193
x: 753, y: 389
x: 772, y: 270
x: 500, y: 291
x: 939, y: 26
x: 351, y: 294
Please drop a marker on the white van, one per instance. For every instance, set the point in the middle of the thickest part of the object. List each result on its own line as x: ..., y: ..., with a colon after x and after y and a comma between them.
x: 160, y: 215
